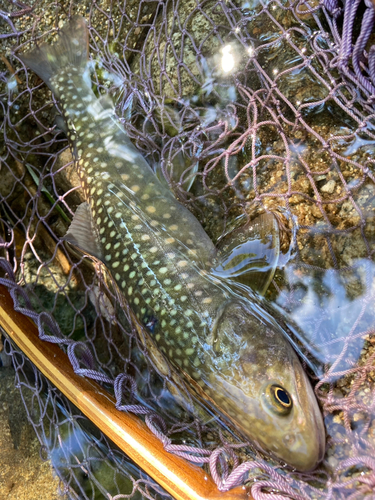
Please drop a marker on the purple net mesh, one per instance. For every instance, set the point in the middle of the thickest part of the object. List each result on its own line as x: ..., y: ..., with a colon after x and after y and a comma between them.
x: 265, y: 102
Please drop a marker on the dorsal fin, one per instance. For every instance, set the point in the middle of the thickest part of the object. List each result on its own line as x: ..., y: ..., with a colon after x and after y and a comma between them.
x: 250, y: 254
x: 181, y: 166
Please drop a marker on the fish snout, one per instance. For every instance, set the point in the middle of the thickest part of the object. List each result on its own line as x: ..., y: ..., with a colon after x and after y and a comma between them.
x: 305, y: 450
x: 320, y: 436
x: 306, y: 442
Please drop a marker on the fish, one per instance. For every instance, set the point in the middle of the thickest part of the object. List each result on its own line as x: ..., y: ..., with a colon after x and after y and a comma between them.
x: 172, y: 276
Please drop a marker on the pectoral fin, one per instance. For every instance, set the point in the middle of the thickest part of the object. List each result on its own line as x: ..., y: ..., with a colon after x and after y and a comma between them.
x: 82, y: 232
x: 249, y: 254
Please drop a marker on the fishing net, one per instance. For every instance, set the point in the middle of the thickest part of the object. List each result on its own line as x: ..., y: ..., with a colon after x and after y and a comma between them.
x: 266, y: 103
x: 86, y: 462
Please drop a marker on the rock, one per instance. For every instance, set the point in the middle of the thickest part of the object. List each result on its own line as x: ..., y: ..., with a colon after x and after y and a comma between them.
x: 329, y: 187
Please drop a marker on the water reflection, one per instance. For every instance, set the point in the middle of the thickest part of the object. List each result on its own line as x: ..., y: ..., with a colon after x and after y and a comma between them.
x: 86, y: 462
x: 227, y: 60
x: 333, y: 310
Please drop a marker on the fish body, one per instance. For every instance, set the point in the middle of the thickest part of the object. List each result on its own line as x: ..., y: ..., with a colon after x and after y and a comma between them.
x: 160, y: 257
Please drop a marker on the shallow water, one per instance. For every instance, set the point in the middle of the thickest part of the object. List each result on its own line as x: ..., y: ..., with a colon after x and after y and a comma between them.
x: 23, y: 476
x: 251, y: 111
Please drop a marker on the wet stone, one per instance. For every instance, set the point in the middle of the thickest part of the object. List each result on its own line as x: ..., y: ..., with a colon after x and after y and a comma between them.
x: 329, y: 187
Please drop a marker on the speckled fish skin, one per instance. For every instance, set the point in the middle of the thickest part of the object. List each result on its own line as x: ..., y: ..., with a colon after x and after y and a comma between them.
x: 160, y: 256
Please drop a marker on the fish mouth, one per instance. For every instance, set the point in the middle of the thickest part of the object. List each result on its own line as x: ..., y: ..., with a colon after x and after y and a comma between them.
x: 304, y: 451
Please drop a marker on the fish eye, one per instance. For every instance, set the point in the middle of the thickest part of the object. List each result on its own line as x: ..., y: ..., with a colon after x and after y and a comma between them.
x: 278, y: 399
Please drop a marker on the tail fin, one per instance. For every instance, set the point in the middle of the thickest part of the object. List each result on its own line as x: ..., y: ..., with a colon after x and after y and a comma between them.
x: 70, y: 51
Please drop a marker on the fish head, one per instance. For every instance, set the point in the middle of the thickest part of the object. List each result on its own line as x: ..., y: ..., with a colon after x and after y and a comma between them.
x: 259, y: 383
